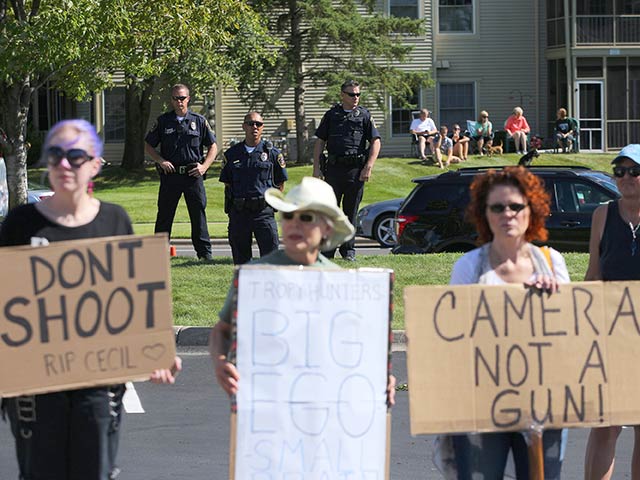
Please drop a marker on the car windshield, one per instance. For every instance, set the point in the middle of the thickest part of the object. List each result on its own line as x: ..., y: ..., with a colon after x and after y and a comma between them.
x: 604, y: 179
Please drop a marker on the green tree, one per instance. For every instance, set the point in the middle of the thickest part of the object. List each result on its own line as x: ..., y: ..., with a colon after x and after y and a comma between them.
x: 204, y: 43
x: 75, y: 45
x: 326, y: 42
x: 57, y: 43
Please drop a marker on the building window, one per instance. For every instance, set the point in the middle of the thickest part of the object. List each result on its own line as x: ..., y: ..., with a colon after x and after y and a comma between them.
x: 455, y: 16
x: 404, y: 8
x: 401, y: 113
x: 114, y: 115
x: 457, y: 104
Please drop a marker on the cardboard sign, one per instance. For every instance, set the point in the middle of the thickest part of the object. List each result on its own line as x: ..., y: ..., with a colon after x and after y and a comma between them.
x: 84, y: 313
x: 312, y: 353
x: 492, y: 358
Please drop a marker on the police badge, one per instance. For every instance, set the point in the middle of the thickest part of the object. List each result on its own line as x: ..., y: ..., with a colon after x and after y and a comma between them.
x: 356, y: 112
x: 193, y: 125
x: 264, y: 157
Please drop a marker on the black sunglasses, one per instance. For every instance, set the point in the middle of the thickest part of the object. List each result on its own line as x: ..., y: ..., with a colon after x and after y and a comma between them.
x: 514, y: 207
x: 75, y: 156
x: 181, y: 98
x: 351, y: 94
x: 304, y: 217
x: 620, y: 171
x: 253, y: 123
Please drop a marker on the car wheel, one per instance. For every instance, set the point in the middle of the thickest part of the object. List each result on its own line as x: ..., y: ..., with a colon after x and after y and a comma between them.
x: 384, y: 230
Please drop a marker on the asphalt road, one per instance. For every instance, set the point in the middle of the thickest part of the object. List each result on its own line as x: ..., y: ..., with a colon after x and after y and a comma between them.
x: 184, y: 433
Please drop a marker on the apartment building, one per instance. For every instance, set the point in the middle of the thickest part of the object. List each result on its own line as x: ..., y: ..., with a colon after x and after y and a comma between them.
x: 491, y: 55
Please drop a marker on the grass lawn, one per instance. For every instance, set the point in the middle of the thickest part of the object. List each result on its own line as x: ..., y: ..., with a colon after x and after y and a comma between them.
x: 137, y: 191
x: 199, y: 289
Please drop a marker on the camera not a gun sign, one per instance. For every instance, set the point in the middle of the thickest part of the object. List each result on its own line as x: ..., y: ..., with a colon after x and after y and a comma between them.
x: 493, y: 358
x: 84, y: 313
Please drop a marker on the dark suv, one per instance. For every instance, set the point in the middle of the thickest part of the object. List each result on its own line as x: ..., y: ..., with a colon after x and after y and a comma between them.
x: 431, y: 219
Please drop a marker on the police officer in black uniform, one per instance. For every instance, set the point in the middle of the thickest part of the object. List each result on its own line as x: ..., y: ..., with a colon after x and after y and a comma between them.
x: 181, y: 135
x: 345, y: 130
x: 250, y: 168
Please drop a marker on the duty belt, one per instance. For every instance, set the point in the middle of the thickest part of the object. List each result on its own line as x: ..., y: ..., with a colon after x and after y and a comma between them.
x: 346, y: 160
x: 253, y: 205
x: 184, y: 169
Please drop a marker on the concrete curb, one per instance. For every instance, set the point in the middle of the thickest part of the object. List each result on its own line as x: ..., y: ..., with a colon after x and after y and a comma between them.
x: 360, y: 242
x: 199, y: 336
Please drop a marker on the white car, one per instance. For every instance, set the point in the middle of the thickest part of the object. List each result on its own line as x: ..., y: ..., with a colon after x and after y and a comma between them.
x: 35, y: 192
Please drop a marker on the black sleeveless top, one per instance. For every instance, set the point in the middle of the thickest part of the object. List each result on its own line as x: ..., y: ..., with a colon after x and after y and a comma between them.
x: 617, y: 261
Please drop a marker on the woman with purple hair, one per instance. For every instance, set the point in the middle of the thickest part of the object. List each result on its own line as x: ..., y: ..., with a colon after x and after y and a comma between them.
x: 70, y: 434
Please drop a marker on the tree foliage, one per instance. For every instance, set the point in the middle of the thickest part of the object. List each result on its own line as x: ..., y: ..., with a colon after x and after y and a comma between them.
x: 76, y: 46
x: 328, y: 41
x: 204, y: 43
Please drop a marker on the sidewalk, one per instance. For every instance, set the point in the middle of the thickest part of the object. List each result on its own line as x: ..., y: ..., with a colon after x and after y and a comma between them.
x: 199, y: 337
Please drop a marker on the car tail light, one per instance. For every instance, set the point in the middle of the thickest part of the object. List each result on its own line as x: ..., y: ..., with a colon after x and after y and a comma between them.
x: 402, y: 221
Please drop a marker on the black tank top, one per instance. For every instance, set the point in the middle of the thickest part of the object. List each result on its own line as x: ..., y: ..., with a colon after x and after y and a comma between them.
x: 616, y: 247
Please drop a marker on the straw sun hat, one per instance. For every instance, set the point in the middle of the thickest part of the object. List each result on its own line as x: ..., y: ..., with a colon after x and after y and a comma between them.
x: 314, y: 195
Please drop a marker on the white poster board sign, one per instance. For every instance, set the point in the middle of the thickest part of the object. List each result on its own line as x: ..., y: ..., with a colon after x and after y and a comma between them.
x: 312, y: 353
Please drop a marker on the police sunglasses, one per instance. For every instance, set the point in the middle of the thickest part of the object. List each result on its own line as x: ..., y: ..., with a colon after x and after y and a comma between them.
x: 254, y: 123
x: 499, y: 207
x: 181, y: 98
x: 620, y: 171
x: 351, y: 94
x: 304, y: 217
x: 75, y: 156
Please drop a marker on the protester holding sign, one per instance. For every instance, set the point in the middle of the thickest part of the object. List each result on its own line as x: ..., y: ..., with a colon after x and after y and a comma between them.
x: 74, y: 433
x: 614, y: 254
x: 311, y: 222
x: 508, y: 208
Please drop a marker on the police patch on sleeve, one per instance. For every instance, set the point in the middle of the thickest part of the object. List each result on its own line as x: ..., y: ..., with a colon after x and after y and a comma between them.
x: 281, y: 161
x: 154, y: 126
x: 373, y: 123
x: 224, y: 160
x: 206, y: 122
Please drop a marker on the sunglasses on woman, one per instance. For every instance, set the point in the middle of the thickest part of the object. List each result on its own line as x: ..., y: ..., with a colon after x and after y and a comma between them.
x: 499, y: 207
x: 304, y: 217
x: 75, y: 156
x: 620, y: 171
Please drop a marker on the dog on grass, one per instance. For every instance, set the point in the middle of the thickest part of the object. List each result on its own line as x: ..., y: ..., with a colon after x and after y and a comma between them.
x: 527, y: 159
x: 495, y: 150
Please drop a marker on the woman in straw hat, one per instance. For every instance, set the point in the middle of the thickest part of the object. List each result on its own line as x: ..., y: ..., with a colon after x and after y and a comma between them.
x: 311, y: 222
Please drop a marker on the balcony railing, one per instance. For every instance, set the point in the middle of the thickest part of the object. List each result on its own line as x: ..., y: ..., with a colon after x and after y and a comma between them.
x: 608, y: 29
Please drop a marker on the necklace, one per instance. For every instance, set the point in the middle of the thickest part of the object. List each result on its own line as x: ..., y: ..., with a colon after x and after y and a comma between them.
x: 634, y: 245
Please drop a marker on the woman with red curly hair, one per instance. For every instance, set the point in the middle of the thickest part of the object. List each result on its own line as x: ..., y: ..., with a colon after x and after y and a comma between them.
x: 508, y: 208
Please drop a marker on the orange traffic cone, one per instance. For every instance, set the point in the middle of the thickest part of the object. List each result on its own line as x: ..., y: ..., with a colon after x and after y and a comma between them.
x: 172, y: 251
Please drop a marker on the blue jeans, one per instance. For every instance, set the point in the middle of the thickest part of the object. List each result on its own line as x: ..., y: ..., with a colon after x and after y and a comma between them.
x: 484, y: 455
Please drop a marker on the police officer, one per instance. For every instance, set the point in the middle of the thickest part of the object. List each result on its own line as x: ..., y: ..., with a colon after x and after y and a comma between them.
x: 181, y: 135
x: 250, y: 168
x: 345, y: 130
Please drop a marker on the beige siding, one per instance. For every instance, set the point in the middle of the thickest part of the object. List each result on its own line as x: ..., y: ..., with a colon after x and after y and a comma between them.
x: 499, y: 57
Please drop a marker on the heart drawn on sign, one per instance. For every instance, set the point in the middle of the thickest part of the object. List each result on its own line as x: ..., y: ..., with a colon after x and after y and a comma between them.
x: 154, y: 352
